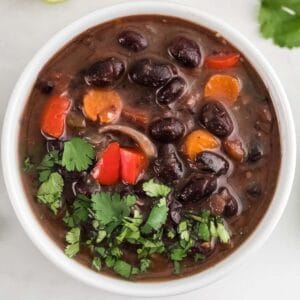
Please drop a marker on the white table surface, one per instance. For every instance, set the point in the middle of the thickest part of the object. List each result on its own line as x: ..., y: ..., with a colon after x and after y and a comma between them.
x: 272, y: 273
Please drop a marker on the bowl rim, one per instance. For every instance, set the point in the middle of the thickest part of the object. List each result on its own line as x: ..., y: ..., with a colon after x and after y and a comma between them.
x: 11, y: 168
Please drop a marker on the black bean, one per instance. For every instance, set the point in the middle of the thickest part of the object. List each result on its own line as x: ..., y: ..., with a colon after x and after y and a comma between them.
x: 168, y: 166
x: 231, y: 207
x: 254, y: 190
x: 198, y: 188
x: 255, y: 152
x: 175, y: 211
x: 150, y: 73
x: 216, y: 119
x: 166, y: 130
x: 104, y: 72
x: 211, y: 162
x: 45, y: 86
x: 132, y: 40
x: 172, y: 91
x: 185, y: 51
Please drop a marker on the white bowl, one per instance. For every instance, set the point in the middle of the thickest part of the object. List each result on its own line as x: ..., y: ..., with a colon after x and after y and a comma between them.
x: 11, y: 168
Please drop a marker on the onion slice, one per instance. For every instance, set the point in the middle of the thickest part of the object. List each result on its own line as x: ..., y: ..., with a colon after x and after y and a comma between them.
x: 141, y: 139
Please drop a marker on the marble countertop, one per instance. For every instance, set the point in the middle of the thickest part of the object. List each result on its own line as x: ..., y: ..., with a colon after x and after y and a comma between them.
x: 25, y: 274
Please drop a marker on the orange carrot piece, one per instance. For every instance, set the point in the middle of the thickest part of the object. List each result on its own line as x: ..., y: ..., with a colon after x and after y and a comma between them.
x: 198, y: 141
x: 104, y: 106
x: 222, y: 87
x: 54, y: 116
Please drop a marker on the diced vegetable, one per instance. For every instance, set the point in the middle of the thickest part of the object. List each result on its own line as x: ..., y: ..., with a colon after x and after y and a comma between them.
x: 107, y: 169
x: 198, y: 141
x: 54, y: 116
x: 141, y: 139
x: 222, y: 61
x: 133, y: 163
x: 222, y: 87
x: 104, y: 106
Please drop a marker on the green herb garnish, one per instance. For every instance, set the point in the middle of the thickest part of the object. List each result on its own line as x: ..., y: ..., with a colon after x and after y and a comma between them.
x: 153, y: 189
x: 50, y: 192
x: 79, y: 212
x: 157, y: 216
x: 110, y: 209
x: 280, y: 21
x: 27, y: 165
x: 46, y: 167
x: 72, y: 238
x: 78, y: 155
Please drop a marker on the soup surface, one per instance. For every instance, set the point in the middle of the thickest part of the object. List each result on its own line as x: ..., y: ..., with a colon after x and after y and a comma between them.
x: 149, y: 147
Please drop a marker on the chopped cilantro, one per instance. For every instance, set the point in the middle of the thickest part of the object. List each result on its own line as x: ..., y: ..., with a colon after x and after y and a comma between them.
x: 144, y: 265
x: 178, y: 254
x: 223, y: 234
x: 177, y: 267
x: 153, y: 189
x: 46, y: 166
x: 27, y: 165
x: 157, y: 216
x: 280, y: 20
x: 203, y: 232
x: 79, y: 213
x: 110, y: 209
x: 198, y: 257
x: 96, y: 263
x: 50, y: 191
x: 110, y: 261
x: 72, y: 238
x: 123, y: 268
x: 171, y: 234
x: 78, y: 155
x: 213, y: 229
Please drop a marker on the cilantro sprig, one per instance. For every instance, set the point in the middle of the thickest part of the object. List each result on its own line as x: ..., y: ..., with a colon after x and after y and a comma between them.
x: 280, y: 21
x: 73, y: 239
x: 50, y: 192
x: 78, y: 155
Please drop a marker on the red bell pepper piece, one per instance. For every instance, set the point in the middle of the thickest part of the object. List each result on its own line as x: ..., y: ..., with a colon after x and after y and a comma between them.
x: 133, y: 163
x: 54, y: 115
x: 107, y: 169
x: 222, y: 61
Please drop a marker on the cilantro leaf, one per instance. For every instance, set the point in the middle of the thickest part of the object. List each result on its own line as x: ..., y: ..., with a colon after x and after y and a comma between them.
x: 153, y: 189
x: 72, y: 238
x: 223, y: 233
x: 178, y: 254
x: 27, y: 165
x: 280, y: 20
x: 123, y: 268
x: 96, y: 263
x: 144, y: 264
x: 50, y: 191
x: 157, y: 217
x: 80, y: 211
x: 204, y: 232
x: 46, y: 166
x: 110, y: 209
x: 78, y: 155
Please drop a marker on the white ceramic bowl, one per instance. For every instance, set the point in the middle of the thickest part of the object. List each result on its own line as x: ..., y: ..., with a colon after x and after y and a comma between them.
x: 10, y: 139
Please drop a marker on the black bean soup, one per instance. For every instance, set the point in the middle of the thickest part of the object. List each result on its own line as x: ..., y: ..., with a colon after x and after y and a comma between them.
x: 150, y: 148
